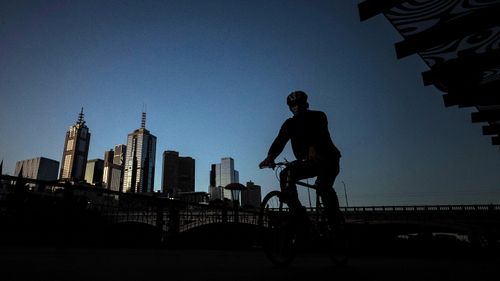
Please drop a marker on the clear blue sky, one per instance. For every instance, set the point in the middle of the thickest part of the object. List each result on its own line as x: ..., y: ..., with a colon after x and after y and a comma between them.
x: 214, y: 76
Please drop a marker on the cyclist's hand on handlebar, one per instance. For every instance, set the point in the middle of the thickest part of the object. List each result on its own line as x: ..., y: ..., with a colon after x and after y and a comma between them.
x: 267, y: 163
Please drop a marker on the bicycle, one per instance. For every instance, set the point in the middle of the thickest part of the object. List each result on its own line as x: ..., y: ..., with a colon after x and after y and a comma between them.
x: 282, y: 239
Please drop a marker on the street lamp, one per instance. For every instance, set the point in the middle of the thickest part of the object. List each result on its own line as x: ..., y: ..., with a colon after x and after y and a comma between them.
x: 235, y: 189
x: 345, y: 193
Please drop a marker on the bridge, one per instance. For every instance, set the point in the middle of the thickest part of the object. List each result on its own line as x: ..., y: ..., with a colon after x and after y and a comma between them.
x: 55, y: 207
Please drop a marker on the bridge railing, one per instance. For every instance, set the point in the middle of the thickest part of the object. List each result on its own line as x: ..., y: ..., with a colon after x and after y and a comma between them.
x: 177, y: 216
x: 194, y: 215
x: 424, y: 208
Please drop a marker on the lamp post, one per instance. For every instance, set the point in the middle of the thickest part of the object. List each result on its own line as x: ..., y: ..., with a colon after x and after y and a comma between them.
x: 345, y: 194
x: 235, y: 189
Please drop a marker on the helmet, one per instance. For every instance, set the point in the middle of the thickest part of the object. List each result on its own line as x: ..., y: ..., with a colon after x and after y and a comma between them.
x: 296, y: 97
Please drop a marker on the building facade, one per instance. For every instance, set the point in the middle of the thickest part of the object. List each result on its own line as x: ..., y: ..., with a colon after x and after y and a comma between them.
x: 94, y: 171
x: 251, y: 196
x: 222, y: 174
x: 114, y: 163
x: 39, y: 168
x: 214, y: 191
x: 76, y: 149
x: 140, y: 160
x: 178, y: 174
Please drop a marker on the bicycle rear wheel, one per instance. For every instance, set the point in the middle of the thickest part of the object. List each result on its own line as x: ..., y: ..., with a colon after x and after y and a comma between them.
x: 279, y: 238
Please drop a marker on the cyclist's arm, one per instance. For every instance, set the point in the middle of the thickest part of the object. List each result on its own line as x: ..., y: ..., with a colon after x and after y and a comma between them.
x: 280, y: 141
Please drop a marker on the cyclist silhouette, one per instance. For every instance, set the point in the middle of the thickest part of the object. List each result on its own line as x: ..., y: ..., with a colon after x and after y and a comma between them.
x: 316, y: 156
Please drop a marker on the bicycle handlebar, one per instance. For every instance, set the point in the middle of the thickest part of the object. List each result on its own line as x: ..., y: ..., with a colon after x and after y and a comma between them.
x: 278, y: 164
x: 287, y: 163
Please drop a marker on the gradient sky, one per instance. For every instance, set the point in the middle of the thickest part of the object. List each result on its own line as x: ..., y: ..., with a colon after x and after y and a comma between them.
x: 213, y: 77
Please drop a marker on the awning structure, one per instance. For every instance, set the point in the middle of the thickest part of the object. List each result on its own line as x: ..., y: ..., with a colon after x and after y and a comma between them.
x: 460, y: 42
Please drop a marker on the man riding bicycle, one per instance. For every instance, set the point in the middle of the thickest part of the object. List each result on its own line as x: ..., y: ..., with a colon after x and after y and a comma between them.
x: 316, y: 155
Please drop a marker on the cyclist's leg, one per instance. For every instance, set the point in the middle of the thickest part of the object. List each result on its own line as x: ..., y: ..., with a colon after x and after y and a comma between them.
x: 338, y: 246
x: 288, y: 177
x: 326, y: 177
x: 331, y: 203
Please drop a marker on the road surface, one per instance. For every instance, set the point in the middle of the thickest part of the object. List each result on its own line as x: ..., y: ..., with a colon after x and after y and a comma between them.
x: 124, y: 264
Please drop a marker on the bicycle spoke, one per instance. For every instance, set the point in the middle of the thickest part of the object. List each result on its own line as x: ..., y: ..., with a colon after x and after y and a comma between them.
x: 279, y: 239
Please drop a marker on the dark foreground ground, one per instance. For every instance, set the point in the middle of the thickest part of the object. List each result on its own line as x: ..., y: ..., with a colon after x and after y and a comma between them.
x: 207, y: 264
x: 232, y: 252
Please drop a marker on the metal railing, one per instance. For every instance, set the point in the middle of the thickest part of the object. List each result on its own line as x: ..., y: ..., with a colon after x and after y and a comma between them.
x: 423, y: 208
x: 178, y: 216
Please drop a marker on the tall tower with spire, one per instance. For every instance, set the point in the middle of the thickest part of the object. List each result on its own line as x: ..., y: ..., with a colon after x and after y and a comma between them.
x: 76, y: 150
x: 140, y: 160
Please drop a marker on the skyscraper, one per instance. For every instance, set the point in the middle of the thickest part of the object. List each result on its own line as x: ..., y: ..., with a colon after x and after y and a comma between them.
x: 214, y: 191
x: 178, y: 173
x: 76, y: 149
x: 140, y: 160
x: 107, y: 172
x: 114, y: 162
x: 222, y: 174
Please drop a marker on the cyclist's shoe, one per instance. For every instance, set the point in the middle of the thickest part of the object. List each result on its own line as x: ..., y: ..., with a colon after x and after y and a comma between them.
x: 335, y: 218
x: 303, y: 228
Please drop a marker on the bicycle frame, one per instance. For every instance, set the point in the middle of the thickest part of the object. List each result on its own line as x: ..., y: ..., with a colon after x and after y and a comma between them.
x: 279, y: 240
x: 317, y: 207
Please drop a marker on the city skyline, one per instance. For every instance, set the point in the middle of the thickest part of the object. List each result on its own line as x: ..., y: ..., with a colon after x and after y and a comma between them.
x: 214, y: 77
x: 222, y: 178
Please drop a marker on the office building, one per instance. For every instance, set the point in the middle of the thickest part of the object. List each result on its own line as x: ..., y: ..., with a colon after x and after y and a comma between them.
x: 76, y: 149
x: 251, y: 196
x: 107, y: 172
x: 178, y: 174
x: 214, y: 192
x: 140, y: 160
x: 222, y: 174
x: 94, y: 171
x: 114, y: 163
x: 39, y: 168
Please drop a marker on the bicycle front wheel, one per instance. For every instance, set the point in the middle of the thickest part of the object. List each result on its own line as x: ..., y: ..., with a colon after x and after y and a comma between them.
x: 278, y: 236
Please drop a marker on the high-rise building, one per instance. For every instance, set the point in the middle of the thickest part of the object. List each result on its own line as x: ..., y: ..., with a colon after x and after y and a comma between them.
x: 178, y: 174
x: 39, y: 168
x: 94, y: 171
x: 214, y: 191
x: 107, y: 172
x: 76, y: 149
x: 140, y: 160
x: 251, y: 196
x: 222, y: 174
x: 114, y: 168
x: 119, y: 154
